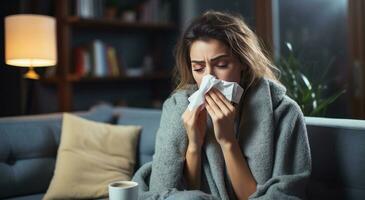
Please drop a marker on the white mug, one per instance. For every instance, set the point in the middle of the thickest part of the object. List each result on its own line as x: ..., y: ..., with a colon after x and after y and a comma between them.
x: 123, y: 190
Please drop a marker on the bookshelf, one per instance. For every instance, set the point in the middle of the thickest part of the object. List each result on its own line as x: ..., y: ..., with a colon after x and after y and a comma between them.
x: 118, y: 25
x: 76, y: 79
x: 70, y: 27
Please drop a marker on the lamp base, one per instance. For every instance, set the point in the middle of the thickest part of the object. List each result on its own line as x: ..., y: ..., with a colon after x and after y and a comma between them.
x: 31, y: 74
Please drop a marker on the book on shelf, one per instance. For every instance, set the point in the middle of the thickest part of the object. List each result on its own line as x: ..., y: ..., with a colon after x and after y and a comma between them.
x: 89, y: 8
x: 155, y: 11
x: 97, y: 59
x: 80, y: 64
x: 112, y: 61
x: 148, y: 11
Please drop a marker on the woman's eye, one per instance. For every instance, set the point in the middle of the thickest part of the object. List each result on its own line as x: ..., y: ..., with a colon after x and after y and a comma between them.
x: 223, y: 65
x: 198, y: 69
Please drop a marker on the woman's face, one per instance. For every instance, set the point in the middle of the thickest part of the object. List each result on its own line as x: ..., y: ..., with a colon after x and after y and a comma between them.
x: 213, y: 57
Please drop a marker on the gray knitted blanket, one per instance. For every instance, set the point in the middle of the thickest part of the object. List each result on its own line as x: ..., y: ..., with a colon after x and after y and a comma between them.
x: 272, y: 136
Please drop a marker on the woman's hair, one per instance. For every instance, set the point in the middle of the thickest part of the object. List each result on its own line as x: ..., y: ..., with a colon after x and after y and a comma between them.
x: 233, y: 32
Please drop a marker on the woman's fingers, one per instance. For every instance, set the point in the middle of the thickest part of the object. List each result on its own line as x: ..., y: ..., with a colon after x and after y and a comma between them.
x: 218, y: 103
x: 227, y: 103
x: 215, y: 110
x: 210, y: 111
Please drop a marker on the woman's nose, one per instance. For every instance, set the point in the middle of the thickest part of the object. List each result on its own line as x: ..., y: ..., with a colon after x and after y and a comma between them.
x: 209, y: 70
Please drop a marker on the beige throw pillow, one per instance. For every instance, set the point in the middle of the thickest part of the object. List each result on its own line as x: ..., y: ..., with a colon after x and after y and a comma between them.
x: 90, y: 156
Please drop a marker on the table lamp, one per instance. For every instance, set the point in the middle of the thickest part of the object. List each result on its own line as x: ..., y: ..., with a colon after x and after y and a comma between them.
x: 30, y: 41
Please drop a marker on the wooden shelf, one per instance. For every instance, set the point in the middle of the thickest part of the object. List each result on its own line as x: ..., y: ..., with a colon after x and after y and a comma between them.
x: 154, y: 77
x: 78, y: 22
x: 77, y: 79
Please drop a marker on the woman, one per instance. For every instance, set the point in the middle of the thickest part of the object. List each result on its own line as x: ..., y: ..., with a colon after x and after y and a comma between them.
x: 257, y: 149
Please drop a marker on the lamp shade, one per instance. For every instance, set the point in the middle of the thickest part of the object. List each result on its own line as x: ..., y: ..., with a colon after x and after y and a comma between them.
x: 30, y: 40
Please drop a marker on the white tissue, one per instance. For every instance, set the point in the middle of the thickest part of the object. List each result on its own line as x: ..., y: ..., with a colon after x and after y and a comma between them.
x: 231, y: 90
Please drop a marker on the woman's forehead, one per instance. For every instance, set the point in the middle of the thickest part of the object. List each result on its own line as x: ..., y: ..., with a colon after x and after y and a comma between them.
x: 207, y: 49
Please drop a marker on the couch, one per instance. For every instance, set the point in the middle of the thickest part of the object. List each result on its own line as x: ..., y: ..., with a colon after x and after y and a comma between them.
x: 28, y: 149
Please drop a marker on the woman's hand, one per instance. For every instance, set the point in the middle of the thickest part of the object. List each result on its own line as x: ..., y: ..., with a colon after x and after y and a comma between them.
x: 195, y: 123
x: 222, y: 113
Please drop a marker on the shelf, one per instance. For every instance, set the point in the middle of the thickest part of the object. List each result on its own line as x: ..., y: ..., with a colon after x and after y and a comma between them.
x: 74, y: 30
x: 156, y: 77
x: 76, y: 79
x: 118, y: 24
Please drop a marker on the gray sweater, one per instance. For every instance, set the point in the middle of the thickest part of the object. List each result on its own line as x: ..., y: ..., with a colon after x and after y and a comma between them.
x: 272, y: 136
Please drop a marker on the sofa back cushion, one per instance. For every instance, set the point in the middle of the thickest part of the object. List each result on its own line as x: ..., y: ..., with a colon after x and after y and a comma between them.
x: 149, y: 119
x: 28, y: 148
x: 338, y: 158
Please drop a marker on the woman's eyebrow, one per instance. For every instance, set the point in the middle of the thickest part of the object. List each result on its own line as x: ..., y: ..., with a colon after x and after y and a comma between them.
x: 211, y: 60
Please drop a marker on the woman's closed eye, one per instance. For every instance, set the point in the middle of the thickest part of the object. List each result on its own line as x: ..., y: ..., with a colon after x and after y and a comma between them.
x: 222, y: 65
x: 198, y: 68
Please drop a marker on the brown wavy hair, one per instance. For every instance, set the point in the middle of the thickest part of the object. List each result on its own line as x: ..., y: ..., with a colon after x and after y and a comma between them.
x: 233, y: 32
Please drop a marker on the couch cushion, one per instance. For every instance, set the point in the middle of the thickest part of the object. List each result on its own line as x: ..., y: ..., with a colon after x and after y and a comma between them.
x: 90, y: 156
x: 149, y: 119
x: 28, y: 147
x: 338, y: 158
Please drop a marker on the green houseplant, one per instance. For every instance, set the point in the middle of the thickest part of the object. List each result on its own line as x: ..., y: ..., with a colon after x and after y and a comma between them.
x: 309, y: 95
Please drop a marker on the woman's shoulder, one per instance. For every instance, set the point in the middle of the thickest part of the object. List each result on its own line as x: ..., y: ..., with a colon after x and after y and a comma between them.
x: 280, y: 100
x: 289, y: 104
x: 179, y: 98
x: 286, y: 106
